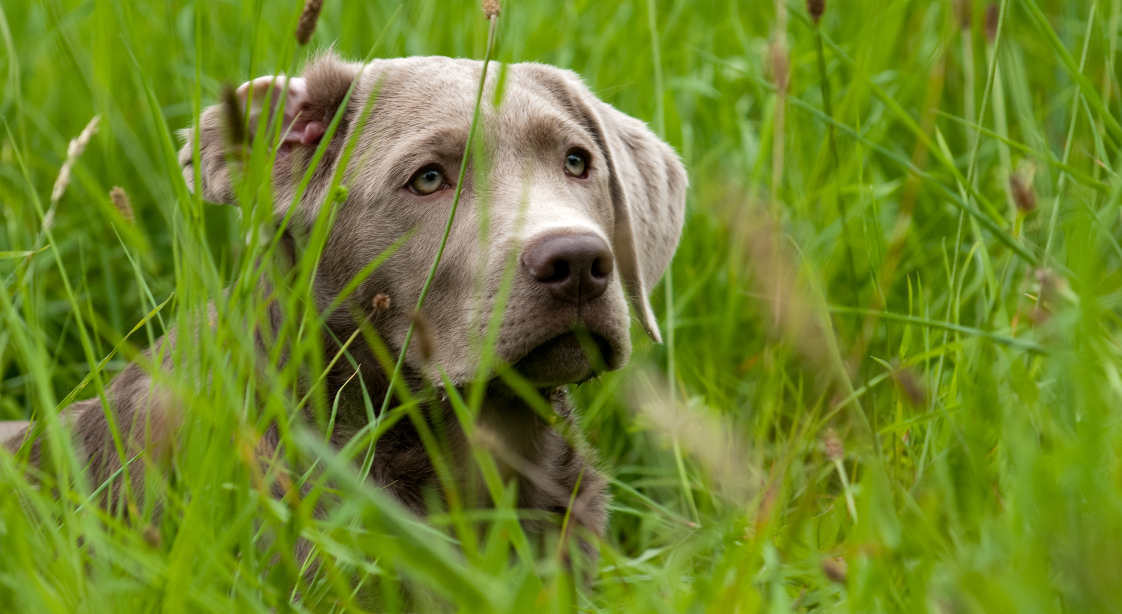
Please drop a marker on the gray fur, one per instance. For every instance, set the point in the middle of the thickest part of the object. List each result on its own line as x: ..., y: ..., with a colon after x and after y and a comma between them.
x: 633, y: 197
x: 11, y: 428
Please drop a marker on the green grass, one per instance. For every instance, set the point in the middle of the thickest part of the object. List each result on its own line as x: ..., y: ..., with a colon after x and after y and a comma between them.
x: 878, y: 287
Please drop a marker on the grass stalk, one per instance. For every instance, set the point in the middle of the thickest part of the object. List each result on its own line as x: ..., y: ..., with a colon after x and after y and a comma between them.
x: 977, y: 441
x: 491, y: 30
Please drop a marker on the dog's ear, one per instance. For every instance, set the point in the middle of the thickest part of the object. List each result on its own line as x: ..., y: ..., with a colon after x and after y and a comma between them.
x: 647, y: 181
x: 304, y: 107
x: 648, y: 184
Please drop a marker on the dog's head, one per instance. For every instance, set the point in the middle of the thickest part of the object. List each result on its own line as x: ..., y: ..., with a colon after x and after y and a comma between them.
x: 570, y: 210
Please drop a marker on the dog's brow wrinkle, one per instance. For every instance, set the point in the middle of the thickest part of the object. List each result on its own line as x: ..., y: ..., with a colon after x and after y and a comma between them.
x: 439, y: 146
x: 453, y: 138
x: 546, y: 132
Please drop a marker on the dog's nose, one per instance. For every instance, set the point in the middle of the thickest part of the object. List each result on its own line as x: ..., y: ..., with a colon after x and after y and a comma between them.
x: 575, y: 267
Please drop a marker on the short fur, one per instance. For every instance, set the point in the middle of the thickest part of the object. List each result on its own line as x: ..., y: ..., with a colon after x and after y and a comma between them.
x: 633, y: 198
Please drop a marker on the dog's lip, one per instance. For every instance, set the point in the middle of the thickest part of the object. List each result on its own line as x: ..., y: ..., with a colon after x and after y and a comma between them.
x: 583, y: 337
x: 565, y: 344
x: 609, y: 350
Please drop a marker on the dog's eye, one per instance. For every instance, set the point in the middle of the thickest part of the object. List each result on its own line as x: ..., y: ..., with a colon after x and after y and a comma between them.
x: 427, y: 180
x: 576, y: 163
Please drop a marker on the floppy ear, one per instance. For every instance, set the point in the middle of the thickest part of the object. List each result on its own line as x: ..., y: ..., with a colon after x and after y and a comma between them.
x: 648, y: 184
x: 647, y: 181
x: 303, y: 105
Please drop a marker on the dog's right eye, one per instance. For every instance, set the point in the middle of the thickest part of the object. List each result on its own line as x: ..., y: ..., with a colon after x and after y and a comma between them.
x: 576, y: 163
x: 427, y: 180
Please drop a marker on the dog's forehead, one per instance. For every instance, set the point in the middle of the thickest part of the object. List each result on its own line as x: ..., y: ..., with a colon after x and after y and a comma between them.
x: 424, y: 92
x: 435, y: 81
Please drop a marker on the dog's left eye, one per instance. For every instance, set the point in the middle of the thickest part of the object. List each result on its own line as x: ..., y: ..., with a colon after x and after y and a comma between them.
x: 427, y: 180
x: 576, y: 163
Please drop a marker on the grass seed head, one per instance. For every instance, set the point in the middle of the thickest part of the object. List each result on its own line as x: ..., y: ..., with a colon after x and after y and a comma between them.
x: 792, y: 312
x: 1020, y: 187
x: 1047, y: 292
x: 152, y: 536
x: 491, y: 8
x: 832, y: 445
x: 120, y: 200
x: 836, y: 569
x: 815, y: 8
x: 964, y: 13
x: 993, y: 13
x: 910, y: 386
x: 77, y: 146
x: 308, y: 18
x: 1051, y: 284
x: 780, y: 65
x: 703, y: 433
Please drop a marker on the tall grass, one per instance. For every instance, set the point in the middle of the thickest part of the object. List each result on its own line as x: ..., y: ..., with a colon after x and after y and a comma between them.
x: 889, y: 388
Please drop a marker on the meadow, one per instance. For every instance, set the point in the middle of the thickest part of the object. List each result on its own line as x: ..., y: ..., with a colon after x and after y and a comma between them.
x: 892, y: 370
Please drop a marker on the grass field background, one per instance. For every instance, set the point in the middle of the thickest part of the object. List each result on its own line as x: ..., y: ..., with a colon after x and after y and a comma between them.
x: 892, y: 374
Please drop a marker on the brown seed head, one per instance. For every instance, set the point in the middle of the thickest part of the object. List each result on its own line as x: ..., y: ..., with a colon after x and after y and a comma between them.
x: 791, y: 311
x: 1020, y: 186
x: 425, y: 343
x: 381, y: 302
x: 815, y: 8
x: 308, y: 18
x: 910, y: 386
x: 1050, y: 290
x: 832, y: 445
x: 1052, y: 286
x: 780, y: 65
x: 152, y: 536
x: 836, y: 569
x: 964, y: 13
x: 120, y: 200
x: 491, y: 8
x: 993, y: 13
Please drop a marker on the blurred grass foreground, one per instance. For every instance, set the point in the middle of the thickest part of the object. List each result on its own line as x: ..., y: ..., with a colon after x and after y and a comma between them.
x: 891, y: 378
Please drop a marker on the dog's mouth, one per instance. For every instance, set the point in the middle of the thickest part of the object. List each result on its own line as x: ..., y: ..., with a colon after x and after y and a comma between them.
x: 568, y: 358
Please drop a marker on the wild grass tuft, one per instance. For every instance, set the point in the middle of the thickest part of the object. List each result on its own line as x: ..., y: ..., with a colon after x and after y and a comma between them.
x: 889, y: 385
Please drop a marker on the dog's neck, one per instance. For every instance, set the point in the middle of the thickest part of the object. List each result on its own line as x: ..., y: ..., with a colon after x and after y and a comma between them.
x: 355, y: 386
x: 505, y: 425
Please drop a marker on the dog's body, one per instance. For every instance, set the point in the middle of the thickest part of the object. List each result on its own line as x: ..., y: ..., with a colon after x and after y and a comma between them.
x: 584, y: 202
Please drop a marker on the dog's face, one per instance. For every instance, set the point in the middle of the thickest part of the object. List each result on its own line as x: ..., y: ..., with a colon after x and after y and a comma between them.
x: 570, y: 210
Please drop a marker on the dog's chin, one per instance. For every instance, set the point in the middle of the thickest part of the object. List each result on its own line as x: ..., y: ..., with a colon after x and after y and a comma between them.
x: 565, y: 360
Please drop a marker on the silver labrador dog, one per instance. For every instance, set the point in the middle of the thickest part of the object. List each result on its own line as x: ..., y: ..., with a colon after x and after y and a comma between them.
x: 585, y: 201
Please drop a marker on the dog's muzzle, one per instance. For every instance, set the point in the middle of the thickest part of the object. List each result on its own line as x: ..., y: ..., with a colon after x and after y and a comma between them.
x: 575, y: 268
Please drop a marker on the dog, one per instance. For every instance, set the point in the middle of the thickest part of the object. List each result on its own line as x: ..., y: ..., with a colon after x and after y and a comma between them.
x: 585, y: 203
